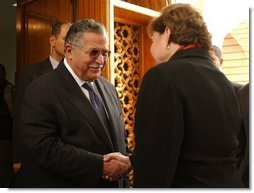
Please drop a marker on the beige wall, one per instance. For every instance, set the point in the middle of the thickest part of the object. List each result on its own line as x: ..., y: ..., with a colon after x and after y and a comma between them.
x: 235, y: 47
x: 235, y: 52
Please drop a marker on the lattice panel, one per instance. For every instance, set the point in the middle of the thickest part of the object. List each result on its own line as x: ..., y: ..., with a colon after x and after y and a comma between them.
x: 127, y: 75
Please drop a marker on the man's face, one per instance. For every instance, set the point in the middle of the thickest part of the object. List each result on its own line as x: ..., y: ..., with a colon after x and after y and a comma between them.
x: 59, y: 40
x: 88, y: 61
x: 215, y: 59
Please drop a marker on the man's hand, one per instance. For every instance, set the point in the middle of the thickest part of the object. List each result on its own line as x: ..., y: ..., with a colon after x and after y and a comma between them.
x: 115, y: 166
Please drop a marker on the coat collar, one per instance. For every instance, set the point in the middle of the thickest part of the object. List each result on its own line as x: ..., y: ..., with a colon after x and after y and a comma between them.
x: 194, y: 52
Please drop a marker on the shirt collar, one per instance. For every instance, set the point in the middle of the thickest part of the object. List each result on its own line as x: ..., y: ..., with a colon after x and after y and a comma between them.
x: 79, y: 81
x: 53, y: 62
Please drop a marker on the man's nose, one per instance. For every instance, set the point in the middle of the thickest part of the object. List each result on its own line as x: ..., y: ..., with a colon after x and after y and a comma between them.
x: 100, y: 59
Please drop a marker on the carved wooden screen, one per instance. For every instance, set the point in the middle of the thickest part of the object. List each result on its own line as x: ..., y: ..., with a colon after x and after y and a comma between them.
x: 127, y: 76
x: 132, y: 58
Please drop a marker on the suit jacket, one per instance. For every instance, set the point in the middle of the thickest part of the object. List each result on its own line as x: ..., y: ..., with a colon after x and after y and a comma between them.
x: 236, y: 86
x: 29, y: 74
x: 65, y: 139
x: 186, y: 123
x: 244, y: 105
x: 6, y: 88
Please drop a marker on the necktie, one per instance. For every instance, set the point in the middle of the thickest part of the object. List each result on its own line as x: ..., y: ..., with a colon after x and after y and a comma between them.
x: 97, y: 103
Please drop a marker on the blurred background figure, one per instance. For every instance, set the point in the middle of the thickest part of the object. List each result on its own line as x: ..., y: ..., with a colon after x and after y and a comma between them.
x: 243, y: 94
x: 216, y: 56
x: 30, y: 73
x: 244, y: 105
x: 6, y: 110
x: 215, y: 53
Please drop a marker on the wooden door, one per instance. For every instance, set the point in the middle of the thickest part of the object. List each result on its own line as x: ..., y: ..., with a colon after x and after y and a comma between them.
x: 34, y: 20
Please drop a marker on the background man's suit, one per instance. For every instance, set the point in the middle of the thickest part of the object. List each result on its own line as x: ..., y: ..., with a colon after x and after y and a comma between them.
x: 29, y: 74
x: 244, y: 105
x: 65, y: 138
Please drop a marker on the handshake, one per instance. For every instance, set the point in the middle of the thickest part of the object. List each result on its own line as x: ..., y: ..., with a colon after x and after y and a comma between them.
x: 115, y: 166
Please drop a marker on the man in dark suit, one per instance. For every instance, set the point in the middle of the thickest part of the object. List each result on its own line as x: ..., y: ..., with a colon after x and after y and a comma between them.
x: 243, y: 136
x: 72, y: 118
x: 30, y: 73
x: 216, y: 56
x: 185, y: 125
x: 7, y: 91
x: 243, y: 95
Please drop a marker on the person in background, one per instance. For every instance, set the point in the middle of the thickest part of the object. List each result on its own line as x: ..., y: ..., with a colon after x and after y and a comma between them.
x: 72, y: 119
x: 216, y: 56
x: 179, y: 141
x: 243, y: 95
x: 29, y: 74
x: 7, y: 90
x: 243, y: 135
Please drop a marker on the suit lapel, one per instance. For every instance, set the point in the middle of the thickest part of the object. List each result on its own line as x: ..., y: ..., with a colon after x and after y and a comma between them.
x: 75, y: 95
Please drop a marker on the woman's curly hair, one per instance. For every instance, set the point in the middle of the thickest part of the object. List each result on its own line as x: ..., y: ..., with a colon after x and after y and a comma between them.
x: 185, y: 23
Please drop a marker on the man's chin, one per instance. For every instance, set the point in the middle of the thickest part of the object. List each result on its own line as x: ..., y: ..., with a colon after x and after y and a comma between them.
x: 92, y: 77
x: 95, y: 70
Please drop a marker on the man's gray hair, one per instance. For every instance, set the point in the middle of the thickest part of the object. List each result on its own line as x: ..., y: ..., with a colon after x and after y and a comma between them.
x: 217, y: 51
x: 76, y: 31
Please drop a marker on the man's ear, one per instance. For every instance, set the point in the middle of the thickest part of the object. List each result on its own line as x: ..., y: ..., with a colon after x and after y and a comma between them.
x: 221, y: 62
x: 52, y: 40
x: 167, y: 33
x: 68, y: 50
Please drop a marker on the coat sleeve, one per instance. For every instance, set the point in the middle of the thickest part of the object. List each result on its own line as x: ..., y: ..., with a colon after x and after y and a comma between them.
x: 158, y: 132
